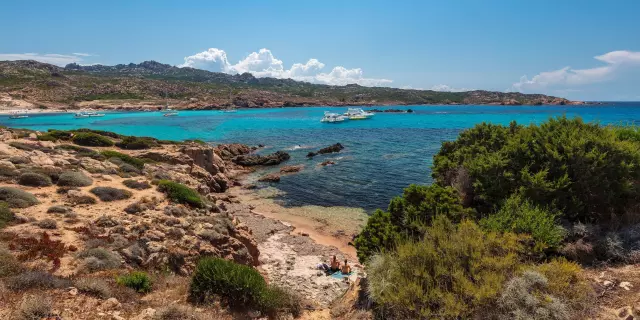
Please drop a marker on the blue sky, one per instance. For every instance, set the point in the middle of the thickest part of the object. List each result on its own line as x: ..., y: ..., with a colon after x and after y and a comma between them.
x: 587, y: 50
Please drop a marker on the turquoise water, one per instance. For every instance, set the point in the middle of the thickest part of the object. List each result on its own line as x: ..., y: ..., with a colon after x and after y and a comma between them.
x: 382, y: 155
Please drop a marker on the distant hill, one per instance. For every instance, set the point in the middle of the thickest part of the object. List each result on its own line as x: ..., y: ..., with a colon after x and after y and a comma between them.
x: 149, y: 83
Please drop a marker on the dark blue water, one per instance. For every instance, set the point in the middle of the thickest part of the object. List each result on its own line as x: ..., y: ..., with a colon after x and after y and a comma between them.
x: 382, y: 155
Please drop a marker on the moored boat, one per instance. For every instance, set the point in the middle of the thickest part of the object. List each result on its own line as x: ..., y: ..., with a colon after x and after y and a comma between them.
x: 333, y: 117
x: 170, y: 114
x: 358, y: 114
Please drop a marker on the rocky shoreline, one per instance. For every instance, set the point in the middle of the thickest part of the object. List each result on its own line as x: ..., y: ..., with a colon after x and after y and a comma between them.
x: 137, y: 227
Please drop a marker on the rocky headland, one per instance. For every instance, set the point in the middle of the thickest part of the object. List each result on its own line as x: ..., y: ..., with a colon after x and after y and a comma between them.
x: 148, y: 85
x: 79, y: 216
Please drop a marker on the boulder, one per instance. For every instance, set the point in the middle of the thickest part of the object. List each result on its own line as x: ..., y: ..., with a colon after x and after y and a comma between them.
x: 330, y: 149
x: 166, y: 157
x: 327, y: 163
x: 260, y: 160
x: 40, y: 158
x: 95, y: 166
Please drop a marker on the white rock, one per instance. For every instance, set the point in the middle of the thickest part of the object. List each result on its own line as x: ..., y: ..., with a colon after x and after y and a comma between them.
x: 607, y: 283
x: 625, y: 285
x: 73, y: 291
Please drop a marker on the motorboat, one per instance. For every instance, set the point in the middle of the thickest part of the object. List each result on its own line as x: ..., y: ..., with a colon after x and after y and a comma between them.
x: 333, y: 117
x: 18, y: 115
x: 88, y: 114
x: 229, y: 110
x: 358, y: 114
x: 170, y: 114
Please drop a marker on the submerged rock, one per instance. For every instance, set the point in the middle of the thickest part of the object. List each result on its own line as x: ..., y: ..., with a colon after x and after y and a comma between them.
x: 272, y: 177
x: 291, y: 169
x: 330, y: 149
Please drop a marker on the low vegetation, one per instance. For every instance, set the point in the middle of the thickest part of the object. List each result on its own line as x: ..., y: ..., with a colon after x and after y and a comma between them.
x: 139, y: 164
x: 97, y: 259
x: 136, y: 280
x: 137, y: 185
x: 484, y: 239
x: 35, y: 280
x: 89, y: 139
x: 9, y: 265
x: 33, y: 179
x: 240, y: 287
x: 35, y: 308
x: 6, y: 216
x: 74, y: 179
x: 137, y: 143
x: 94, y: 286
x: 180, y: 193
x: 16, y: 198
x: 110, y: 193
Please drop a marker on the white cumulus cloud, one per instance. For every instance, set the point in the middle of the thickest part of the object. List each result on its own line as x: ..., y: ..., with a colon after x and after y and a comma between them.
x: 52, y: 58
x: 264, y: 64
x: 569, y: 77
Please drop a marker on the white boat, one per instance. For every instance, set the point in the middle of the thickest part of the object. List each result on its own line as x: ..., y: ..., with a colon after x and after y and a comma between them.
x: 358, y: 114
x: 230, y: 110
x: 18, y: 115
x: 170, y: 114
x: 333, y: 117
x: 88, y: 114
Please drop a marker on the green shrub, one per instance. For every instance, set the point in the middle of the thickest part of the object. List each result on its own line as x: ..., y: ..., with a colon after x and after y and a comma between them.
x: 99, y: 132
x: 93, y: 286
x: 125, y: 158
x: 137, y: 143
x: 74, y: 179
x: 239, y: 285
x: 59, y: 134
x: 111, y: 194
x: 583, y: 170
x: 17, y: 198
x: 180, y: 193
x: 33, y: 179
x: 407, y: 216
x: 6, y: 216
x: 520, y: 216
x: 91, y: 140
x: 137, y: 185
x: 378, y: 234
x: 47, y: 137
x: 449, y: 274
x: 137, y: 280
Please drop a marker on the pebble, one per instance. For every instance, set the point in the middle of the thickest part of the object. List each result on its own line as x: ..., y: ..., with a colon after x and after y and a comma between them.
x: 625, y: 285
x: 73, y: 291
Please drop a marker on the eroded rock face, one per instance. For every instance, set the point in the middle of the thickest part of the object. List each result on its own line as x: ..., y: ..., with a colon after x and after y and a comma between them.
x: 205, y: 157
x: 230, y: 151
x: 260, y: 160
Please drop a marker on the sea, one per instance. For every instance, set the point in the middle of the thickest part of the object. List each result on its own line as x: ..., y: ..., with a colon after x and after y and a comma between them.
x: 382, y: 155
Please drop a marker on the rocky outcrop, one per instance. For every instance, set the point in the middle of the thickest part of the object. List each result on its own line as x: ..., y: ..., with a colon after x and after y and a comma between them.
x: 327, y: 163
x: 205, y: 157
x: 260, y: 160
x: 230, y: 151
x: 166, y: 157
x: 330, y: 149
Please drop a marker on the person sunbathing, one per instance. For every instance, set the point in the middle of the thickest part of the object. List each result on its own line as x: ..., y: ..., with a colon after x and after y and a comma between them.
x: 335, y: 264
x: 346, y: 268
